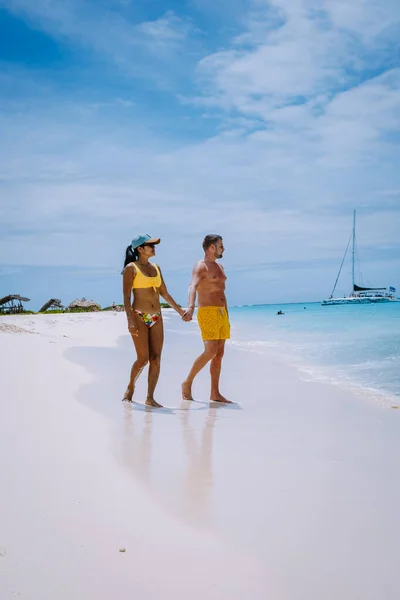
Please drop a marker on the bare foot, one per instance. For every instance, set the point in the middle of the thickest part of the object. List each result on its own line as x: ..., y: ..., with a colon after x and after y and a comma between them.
x: 151, y: 402
x: 187, y: 391
x: 128, y: 395
x: 219, y: 398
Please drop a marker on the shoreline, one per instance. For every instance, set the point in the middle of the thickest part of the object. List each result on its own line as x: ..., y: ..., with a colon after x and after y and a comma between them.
x: 357, y: 350
x: 277, y: 350
x: 323, y: 374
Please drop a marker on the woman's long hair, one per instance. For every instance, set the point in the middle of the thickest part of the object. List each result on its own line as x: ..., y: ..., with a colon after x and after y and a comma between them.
x: 131, y: 255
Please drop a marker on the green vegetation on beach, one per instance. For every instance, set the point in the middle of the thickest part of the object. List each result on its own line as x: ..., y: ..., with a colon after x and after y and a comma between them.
x: 77, y: 309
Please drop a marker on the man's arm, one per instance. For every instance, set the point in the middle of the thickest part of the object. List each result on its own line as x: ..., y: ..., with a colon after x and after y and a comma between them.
x: 226, y: 303
x: 197, y: 276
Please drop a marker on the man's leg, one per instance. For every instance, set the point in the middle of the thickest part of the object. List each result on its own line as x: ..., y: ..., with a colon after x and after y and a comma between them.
x: 210, y: 350
x: 215, y: 372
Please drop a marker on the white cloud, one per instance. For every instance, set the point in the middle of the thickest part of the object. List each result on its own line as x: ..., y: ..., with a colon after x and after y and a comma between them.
x: 295, y: 48
x: 365, y: 17
x: 167, y: 29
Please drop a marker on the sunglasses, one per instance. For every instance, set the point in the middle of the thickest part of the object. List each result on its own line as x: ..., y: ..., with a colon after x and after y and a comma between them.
x: 149, y: 245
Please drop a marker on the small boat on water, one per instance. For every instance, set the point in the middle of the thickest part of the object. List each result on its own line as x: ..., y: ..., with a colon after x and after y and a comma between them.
x: 359, y: 294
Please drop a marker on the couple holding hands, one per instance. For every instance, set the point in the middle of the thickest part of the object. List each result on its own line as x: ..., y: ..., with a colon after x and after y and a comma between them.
x: 144, y: 281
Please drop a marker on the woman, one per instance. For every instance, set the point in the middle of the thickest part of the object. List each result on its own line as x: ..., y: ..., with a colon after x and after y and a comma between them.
x: 145, y: 323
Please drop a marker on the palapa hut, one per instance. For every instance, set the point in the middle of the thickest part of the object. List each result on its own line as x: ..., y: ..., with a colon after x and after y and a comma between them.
x: 12, y: 304
x: 85, y: 305
x: 52, y: 304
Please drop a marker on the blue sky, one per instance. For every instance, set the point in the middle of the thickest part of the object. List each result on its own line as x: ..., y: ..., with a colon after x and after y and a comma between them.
x: 266, y: 122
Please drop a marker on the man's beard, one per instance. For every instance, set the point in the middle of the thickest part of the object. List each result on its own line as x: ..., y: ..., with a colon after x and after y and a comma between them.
x: 218, y: 256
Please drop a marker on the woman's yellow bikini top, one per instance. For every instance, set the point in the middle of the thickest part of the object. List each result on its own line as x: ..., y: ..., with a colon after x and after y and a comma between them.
x: 141, y: 281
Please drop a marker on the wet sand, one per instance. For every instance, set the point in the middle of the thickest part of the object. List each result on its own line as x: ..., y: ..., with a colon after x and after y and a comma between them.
x: 291, y: 493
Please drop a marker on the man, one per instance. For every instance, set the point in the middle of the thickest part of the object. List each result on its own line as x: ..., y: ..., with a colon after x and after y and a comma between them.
x: 208, y: 282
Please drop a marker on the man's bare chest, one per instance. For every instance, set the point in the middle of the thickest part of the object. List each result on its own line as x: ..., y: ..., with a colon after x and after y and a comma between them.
x: 214, y: 275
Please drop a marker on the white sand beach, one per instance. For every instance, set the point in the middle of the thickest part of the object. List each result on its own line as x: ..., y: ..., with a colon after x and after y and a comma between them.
x: 291, y: 494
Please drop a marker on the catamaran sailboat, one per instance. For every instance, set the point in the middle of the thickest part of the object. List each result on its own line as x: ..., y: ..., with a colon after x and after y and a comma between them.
x: 360, y: 294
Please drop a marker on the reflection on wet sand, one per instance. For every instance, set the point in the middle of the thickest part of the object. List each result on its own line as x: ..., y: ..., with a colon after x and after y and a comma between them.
x: 198, y: 479
x: 181, y: 475
x: 137, y: 446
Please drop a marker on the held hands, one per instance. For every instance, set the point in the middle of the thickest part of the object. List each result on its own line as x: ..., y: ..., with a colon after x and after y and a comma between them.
x: 187, y: 314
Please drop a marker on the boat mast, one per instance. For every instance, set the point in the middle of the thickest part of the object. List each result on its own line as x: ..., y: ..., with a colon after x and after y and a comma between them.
x: 341, y: 266
x: 353, y: 250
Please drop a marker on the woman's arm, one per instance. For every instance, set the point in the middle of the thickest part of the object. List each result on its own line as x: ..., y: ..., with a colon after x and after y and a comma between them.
x: 128, y: 277
x: 168, y: 298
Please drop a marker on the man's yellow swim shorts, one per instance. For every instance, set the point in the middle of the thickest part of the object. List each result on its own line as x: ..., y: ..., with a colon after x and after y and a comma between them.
x: 214, y: 323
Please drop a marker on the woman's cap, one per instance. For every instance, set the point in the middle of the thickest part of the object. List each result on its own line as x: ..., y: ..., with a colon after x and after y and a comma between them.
x: 145, y: 238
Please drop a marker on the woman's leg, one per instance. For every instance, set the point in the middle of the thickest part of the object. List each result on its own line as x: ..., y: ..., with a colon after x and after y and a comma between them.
x: 156, y: 340
x: 141, y: 342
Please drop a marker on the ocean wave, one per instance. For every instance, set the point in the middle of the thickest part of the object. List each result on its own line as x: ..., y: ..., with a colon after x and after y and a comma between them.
x: 368, y: 378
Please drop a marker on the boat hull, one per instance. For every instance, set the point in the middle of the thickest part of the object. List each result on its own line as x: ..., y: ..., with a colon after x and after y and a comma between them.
x: 359, y: 300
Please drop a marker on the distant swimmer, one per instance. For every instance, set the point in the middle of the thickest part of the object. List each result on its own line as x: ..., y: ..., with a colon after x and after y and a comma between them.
x: 280, y: 312
x: 145, y: 282
x: 208, y: 283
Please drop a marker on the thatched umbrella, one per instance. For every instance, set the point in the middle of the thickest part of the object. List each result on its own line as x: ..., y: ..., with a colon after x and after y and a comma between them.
x: 53, y: 303
x: 7, y: 304
x: 84, y: 304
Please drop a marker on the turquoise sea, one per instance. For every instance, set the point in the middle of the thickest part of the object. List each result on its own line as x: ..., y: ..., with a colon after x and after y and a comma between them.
x: 350, y: 345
